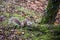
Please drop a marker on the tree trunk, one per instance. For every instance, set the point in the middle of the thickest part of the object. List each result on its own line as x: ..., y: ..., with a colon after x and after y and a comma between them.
x: 52, y: 10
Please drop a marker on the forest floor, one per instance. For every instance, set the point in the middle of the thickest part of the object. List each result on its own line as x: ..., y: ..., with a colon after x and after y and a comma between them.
x: 20, y: 20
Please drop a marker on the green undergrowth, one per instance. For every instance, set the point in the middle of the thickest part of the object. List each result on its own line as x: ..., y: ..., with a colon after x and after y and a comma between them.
x: 41, y: 32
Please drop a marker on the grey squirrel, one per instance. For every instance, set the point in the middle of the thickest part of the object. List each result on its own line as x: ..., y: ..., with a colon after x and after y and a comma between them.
x: 15, y: 20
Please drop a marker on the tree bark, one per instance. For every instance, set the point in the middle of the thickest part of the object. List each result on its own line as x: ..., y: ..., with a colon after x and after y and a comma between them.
x: 52, y: 10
